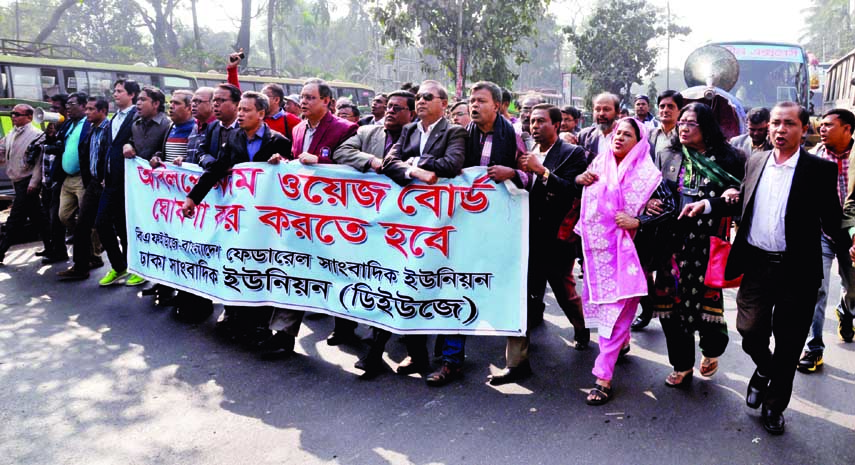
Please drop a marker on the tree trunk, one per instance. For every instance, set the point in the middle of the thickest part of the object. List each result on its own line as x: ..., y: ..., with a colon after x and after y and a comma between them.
x: 271, y: 20
x: 54, y: 20
x: 197, y: 41
x: 243, y: 33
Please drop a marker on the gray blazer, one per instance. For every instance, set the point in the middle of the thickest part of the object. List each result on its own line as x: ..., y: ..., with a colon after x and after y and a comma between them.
x: 369, y: 142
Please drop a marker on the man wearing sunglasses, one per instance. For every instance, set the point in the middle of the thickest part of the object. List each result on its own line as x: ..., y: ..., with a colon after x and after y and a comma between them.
x: 431, y: 147
x: 26, y: 178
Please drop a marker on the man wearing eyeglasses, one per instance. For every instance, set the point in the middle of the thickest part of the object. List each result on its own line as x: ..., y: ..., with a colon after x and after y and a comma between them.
x: 459, y: 114
x: 315, y: 140
x: 431, y: 147
x: 365, y: 151
x: 26, y: 178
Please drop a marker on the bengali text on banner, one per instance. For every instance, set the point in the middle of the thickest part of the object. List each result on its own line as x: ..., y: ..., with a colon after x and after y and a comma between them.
x: 447, y: 258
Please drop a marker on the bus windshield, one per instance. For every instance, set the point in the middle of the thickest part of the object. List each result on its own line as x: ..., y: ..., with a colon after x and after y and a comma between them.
x: 769, y: 74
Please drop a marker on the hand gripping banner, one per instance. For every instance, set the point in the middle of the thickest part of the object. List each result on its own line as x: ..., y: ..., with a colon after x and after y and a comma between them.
x: 449, y: 258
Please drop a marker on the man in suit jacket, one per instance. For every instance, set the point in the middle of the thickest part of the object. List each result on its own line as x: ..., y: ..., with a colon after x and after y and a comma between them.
x: 110, y: 220
x: 787, y: 199
x: 255, y: 141
x: 365, y: 151
x: 595, y: 138
x: 68, y: 168
x: 555, y: 165
x: 316, y: 138
x: 320, y: 133
x: 757, y: 137
x: 430, y: 147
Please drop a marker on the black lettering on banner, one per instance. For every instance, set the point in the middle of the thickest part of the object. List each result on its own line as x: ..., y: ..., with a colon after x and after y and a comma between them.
x: 364, y: 297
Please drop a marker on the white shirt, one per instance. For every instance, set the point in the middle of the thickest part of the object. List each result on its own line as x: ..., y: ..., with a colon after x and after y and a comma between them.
x: 767, y: 230
x: 604, y: 142
x: 118, y: 119
x: 425, y: 134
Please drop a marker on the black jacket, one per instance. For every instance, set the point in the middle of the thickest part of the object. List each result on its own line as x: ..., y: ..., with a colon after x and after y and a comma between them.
x: 444, y: 154
x: 813, y: 206
x: 112, y: 168
x: 550, y: 202
x: 234, y: 151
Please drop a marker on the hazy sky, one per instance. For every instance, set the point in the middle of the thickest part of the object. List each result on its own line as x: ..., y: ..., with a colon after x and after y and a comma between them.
x: 719, y: 20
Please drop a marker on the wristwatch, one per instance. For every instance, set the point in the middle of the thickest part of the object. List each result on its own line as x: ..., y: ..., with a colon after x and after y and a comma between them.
x: 545, y: 176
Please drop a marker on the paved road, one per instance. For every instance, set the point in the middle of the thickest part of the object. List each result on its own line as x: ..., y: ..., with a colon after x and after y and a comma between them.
x: 101, y: 376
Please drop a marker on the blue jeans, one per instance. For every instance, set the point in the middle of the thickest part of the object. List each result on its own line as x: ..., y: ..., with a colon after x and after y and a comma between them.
x: 847, y: 293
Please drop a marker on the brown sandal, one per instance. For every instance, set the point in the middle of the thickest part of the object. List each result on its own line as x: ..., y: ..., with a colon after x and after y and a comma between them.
x: 709, y: 366
x: 679, y: 379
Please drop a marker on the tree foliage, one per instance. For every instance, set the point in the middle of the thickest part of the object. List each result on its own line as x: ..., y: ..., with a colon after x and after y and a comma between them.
x: 614, y: 47
x: 828, y: 29
x: 491, y: 30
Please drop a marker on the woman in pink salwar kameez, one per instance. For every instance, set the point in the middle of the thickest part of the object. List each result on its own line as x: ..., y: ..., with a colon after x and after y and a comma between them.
x: 618, y: 186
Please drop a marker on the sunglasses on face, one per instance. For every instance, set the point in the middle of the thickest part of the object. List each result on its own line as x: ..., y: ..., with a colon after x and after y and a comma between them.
x: 427, y: 97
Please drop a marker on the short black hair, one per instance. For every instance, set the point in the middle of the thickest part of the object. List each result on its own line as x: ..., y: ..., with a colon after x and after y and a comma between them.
x: 554, y: 112
x: 61, y: 98
x: 130, y: 86
x: 324, y: 90
x: 673, y: 95
x: 572, y: 111
x: 234, y: 91
x: 353, y: 108
x: 495, y: 91
x: 411, y: 99
x: 443, y: 94
x: 81, y: 98
x: 804, y: 115
x: 277, y: 91
x: 101, y: 103
x: 262, y: 103
x: 845, y: 116
x: 506, y: 95
x: 460, y: 103
x: 758, y: 115
x: 156, y: 95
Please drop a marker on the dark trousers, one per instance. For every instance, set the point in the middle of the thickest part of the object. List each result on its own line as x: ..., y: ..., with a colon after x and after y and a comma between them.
x: 680, y: 340
x: 110, y: 224
x: 552, y: 261
x: 82, y: 252
x: 24, y: 206
x: 344, y: 326
x: 57, y: 229
x: 774, y: 299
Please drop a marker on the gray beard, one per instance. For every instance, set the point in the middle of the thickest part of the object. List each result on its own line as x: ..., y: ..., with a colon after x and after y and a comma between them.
x: 605, y: 127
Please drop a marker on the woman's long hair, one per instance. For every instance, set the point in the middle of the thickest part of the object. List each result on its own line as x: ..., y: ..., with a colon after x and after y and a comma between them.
x: 710, y: 130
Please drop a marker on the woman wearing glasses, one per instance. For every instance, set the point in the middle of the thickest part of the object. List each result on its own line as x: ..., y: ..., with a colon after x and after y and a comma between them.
x: 699, y: 164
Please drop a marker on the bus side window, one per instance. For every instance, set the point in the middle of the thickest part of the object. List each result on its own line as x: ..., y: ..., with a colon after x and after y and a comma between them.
x: 25, y: 83
x: 142, y: 79
x: 101, y: 84
x: 4, y: 82
x: 75, y: 81
x: 50, y: 82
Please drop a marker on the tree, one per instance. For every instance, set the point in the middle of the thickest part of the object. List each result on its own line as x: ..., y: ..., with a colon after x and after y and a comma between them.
x: 614, y: 46
x: 243, y: 32
x: 162, y: 28
x: 490, y: 31
x: 828, y: 28
x: 54, y: 20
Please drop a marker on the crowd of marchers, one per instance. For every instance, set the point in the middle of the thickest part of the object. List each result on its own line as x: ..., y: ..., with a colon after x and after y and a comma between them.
x: 638, y: 201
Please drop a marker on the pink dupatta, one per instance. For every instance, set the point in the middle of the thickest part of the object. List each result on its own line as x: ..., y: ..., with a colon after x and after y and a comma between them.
x: 612, y: 270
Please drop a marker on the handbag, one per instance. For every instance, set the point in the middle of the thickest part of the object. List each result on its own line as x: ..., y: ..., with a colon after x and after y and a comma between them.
x: 714, y: 277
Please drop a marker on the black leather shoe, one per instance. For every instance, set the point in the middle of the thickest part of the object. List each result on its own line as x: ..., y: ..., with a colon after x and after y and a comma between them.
x: 151, y: 290
x: 372, y: 366
x: 844, y: 328
x: 41, y: 253
x: 412, y: 365
x: 511, y: 374
x: 338, y: 337
x: 446, y: 374
x: 276, y: 347
x: 756, y: 390
x: 773, y: 421
x: 640, y: 323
